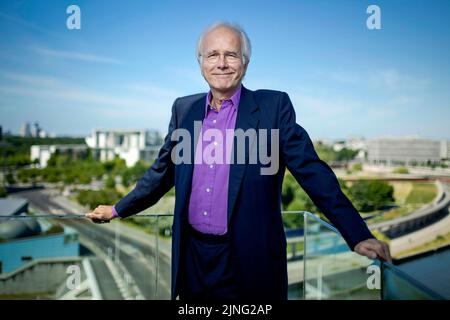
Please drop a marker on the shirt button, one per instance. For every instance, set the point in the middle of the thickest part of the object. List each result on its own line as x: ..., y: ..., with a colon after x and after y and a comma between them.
x: 214, y: 121
x: 215, y: 143
x: 211, y: 166
x: 205, y: 213
x: 208, y: 189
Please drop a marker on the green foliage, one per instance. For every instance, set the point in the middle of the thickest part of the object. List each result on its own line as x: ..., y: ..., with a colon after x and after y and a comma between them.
x: 346, y: 154
x: 17, y: 151
x: 132, y: 175
x: 55, y: 229
x: 342, y: 184
x: 293, y: 197
x: 288, y: 190
x: 357, y: 167
x: 368, y: 195
x: 28, y: 175
x: 63, y: 168
x: 115, y: 167
x: 402, y: 170
x: 421, y: 193
x: 293, y: 220
x: 110, y: 183
x: 3, y: 192
x: 10, y: 178
x: 171, y: 193
x: 328, y: 155
x: 93, y: 198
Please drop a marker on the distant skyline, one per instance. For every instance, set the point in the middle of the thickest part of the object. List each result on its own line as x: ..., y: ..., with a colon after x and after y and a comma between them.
x: 131, y: 60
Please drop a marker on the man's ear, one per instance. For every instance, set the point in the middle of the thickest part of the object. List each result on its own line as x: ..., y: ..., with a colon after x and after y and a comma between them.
x: 245, y: 67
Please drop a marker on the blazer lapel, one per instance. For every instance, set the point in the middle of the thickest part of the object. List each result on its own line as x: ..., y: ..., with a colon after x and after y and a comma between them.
x: 247, y: 118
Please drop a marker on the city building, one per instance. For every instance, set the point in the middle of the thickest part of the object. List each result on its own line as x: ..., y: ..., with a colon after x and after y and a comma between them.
x: 130, y: 145
x: 407, y: 151
x: 42, y: 153
x: 25, y: 130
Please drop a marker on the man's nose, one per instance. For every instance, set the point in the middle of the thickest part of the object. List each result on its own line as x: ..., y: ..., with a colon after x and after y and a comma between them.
x: 222, y: 63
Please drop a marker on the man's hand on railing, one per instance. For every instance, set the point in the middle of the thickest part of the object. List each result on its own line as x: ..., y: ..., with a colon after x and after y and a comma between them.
x: 101, y: 214
x: 373, y: 249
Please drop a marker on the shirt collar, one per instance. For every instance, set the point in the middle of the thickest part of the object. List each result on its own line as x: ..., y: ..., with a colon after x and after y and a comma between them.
x: 235, y: 98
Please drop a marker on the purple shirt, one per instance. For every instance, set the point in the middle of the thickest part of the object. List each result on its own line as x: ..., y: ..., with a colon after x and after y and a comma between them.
x: 208, y: 203
x: 114, y: 212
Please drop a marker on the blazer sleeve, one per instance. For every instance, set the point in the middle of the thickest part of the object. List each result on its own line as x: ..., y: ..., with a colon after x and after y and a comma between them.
x: 317, y: 178
x: 155, y: 182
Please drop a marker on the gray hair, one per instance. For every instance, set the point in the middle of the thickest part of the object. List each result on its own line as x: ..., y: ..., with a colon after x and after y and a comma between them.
x: 246, y: 47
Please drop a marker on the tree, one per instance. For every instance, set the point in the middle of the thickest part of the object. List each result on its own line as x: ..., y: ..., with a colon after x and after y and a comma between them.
x: 3, y: 192
x: 288, y: 190
x: 357, y: 167
x: 10, y: 178
x: 369, y: 195
x: 110, y: 183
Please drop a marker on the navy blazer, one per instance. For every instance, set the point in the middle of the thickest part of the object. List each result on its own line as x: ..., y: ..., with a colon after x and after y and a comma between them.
x: 258, y: 242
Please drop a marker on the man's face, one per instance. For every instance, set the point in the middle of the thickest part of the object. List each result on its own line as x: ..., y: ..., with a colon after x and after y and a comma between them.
x: 221, y: 61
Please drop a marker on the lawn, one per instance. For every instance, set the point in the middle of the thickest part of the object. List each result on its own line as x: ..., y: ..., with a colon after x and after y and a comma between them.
x: 422, y: 192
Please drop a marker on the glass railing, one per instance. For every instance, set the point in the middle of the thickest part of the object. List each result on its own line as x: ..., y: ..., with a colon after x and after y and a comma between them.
x: 69, y: 257
x: 62, y: 256
x: 332, y: 271
x: 398, y: 285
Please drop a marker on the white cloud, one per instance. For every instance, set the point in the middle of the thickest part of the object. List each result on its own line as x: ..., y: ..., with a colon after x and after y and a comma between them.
x: 386, y: 79
x: 57, y: 92
x: 151, y: 89
x: 323, y: 107
x: 87, y: 57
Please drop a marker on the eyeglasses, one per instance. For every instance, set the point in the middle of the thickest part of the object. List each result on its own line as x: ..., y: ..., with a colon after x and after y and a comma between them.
x: 214, y: 57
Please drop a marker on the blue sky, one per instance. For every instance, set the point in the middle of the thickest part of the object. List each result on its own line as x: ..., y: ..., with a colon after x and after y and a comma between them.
x: 131, y: 59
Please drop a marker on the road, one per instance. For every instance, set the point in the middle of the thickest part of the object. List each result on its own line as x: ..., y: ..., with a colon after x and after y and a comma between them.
x: 138, y: 257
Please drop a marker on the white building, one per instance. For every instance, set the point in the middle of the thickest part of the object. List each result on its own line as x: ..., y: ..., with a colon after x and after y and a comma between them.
x: 407, y: 151
x: 130, y: 145
x: 44, y: 152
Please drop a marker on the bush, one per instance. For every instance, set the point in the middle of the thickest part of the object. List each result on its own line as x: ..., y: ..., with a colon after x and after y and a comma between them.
x: 369, y: 195
x: 92, y: 198
x: 133, y: 174
x: 110, y: 183
x: 3, y: 192
x: 10, y: 178
x: 54, y: 229
x: 401, y: 170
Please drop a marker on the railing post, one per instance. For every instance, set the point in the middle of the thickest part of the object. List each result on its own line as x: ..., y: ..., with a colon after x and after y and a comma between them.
x: 117, y: 243
x: 157, y: 256
x: 381, y: 280
x: 304, y: 252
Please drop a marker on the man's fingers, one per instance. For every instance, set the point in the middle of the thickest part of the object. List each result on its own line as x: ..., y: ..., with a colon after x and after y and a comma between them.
x: 381, y: 250
x: 374, y: 249
x: 387, y: 252
x: 94, y: 215
x: 366, y: 251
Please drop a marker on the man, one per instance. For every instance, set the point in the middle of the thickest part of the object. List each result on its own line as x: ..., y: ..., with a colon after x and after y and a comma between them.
x: 228, y: 237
